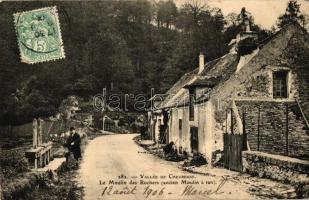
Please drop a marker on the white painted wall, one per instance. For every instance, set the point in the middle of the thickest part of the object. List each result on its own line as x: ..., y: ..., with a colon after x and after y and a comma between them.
x: 157, y: 125
x: 203, y: 119
x: 206, y: 123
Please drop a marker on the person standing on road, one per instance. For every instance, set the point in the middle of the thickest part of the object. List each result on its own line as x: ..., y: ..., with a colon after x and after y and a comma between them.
x: 73, y: 144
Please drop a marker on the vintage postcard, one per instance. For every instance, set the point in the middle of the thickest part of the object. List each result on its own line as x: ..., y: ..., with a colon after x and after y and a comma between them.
x: 154, y: 99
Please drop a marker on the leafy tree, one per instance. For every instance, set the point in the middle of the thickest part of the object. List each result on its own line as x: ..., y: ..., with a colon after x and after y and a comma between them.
x: 84, y: 86
x: 166, y: 13
x: 235, y: 24
x: 306, y: 21
x: 67, y: 108
x: 292, y: 15
x: 201, y: 31
x: 190, y: 15
x: 231, y: 19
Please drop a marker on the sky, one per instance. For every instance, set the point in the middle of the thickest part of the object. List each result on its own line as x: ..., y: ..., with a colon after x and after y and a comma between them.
x: 265, y: 12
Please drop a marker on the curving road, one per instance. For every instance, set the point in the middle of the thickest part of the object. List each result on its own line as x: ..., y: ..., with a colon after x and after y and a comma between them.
x: 118, y: 158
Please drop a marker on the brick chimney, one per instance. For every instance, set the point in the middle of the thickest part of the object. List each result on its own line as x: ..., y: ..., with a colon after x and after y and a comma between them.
x: 247, y: 25
x: 201, y: 63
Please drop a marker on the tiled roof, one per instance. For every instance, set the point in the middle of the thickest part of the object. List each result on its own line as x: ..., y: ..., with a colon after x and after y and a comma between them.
x: 204, y: 81
x: 213, y: 75
x: 185, y: 79
x: 214, y: 72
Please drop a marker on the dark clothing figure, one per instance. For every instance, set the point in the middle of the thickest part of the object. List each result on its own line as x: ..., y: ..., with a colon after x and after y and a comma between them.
x: 73, y: 144
x: 165, y: 117
x: 171, y: 153
x: 168, y: 148
x: 143, y: 131
x: 162, y: 136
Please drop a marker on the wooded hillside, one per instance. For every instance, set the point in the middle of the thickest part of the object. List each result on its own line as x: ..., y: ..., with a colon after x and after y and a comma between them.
x: 125, y: 46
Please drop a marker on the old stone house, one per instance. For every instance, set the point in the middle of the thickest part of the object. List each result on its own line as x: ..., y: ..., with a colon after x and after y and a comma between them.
x: 259, y: 89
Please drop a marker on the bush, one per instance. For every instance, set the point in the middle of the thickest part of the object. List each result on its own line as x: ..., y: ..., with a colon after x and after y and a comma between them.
x: 45, y: 111
x: 171, y: 153
x: 13, y: 162
x: 197, y: 160
x: 302, y: 189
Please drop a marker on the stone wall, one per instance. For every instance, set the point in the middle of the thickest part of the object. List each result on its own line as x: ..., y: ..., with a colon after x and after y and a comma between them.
x: 279, y: 168
x: 275, y: 127
x: 254, y: 79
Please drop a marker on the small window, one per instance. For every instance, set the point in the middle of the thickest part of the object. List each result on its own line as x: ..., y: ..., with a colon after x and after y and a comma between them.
x: 280, y: 84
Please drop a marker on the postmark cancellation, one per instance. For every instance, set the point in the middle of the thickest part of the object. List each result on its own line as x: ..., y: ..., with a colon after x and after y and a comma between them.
x: 39, y: 35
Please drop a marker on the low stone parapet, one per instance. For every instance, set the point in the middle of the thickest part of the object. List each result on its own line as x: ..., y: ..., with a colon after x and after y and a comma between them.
x: 54, y: 166
x: 280, y: 168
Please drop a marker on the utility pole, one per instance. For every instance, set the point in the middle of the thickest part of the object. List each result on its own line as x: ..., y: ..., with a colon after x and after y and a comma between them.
x: 103, y: 123
x: 103, y: 108
x: 104, y: 117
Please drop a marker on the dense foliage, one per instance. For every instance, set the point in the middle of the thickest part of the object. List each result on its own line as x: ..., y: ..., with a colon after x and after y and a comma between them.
x: 126, y: 46
x: 12, y: 162
x: 292, y: 15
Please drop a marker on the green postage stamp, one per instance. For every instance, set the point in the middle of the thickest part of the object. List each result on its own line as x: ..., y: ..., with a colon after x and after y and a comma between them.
x: 39, y: 35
